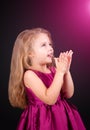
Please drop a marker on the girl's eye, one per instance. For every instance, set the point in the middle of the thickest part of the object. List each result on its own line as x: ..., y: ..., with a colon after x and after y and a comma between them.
x: 43, y: 44
x: 50, y: 44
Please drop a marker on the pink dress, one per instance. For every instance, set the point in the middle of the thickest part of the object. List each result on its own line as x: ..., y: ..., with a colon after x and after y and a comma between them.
x: 40, y: 116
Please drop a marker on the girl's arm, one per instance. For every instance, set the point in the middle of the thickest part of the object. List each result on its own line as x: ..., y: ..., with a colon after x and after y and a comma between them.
x: 47, y: 95
x: 68, y: 85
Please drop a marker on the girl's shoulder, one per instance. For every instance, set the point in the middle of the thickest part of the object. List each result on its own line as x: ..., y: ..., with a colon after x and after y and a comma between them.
x: 33, y: 72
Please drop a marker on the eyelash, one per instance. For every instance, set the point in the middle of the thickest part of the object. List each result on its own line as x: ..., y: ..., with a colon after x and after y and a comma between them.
x: 50, y: 44
x: 45, y: 44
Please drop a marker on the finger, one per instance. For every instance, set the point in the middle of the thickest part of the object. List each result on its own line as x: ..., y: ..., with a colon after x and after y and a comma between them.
x: 70, y: 53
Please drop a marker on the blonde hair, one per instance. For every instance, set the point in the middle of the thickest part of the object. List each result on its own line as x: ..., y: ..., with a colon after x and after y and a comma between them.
x: 20, y: 62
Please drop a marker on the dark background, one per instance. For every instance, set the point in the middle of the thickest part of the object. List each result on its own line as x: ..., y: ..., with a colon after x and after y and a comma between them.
x: 69, y: 23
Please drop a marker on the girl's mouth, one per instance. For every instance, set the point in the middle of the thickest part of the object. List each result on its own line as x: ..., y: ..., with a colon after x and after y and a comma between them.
x: 50, y: 55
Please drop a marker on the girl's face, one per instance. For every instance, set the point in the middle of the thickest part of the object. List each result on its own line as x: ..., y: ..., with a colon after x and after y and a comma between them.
x: 42, y: 51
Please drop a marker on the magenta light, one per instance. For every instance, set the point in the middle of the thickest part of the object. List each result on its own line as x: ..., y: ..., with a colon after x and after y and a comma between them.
x: 88, y: 7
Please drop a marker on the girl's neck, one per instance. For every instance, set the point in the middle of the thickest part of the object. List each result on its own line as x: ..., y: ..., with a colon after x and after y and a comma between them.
x: 43, y: 69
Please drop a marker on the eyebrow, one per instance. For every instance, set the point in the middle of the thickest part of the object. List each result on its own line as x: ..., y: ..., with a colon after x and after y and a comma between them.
x: 46, y: 42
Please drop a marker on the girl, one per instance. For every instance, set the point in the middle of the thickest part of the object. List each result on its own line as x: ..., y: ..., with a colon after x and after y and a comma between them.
x: 41, y: 84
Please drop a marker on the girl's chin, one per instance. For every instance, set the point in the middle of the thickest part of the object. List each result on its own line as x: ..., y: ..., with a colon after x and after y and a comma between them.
x: 49, y: 62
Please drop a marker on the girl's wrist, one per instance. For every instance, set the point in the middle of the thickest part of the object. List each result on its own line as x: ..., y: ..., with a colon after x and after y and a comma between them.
x: 68, y: 72
x: 60, y: 73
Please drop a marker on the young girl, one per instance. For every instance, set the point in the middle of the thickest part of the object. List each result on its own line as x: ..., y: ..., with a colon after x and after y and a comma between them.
x: 40, y: 84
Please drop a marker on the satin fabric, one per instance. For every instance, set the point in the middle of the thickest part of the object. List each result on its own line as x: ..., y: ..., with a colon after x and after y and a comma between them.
x: 40, y: 116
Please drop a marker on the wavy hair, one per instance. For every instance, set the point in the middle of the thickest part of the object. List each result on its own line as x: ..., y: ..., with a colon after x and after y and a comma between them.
x: 20, y: 62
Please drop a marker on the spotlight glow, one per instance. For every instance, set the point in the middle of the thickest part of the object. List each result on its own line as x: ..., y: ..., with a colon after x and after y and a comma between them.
x: 88, y: 7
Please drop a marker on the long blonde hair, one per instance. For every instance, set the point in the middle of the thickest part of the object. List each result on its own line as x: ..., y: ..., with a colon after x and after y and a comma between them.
x: 20, y: 62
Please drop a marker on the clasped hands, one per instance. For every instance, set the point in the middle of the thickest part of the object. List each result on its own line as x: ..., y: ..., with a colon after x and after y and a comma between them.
x: 63, y: 62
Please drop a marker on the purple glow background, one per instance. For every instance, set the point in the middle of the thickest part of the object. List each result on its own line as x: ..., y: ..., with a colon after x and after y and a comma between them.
x: 69, y: 23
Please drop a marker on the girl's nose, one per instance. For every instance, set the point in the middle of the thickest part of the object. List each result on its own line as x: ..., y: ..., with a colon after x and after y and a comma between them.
x: 51, y: 49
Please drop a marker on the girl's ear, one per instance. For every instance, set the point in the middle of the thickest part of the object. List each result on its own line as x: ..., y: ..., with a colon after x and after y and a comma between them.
x: 31, y: 54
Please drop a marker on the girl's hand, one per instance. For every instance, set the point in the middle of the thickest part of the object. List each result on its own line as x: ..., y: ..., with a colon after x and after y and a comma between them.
x: 63, y: 62
x: 69, y: 56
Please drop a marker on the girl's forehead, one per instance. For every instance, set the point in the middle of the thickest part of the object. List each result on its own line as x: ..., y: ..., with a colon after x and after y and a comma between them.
x: 40, y: 38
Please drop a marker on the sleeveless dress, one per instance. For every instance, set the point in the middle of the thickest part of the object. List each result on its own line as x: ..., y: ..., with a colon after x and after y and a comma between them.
x: 40, y: 116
